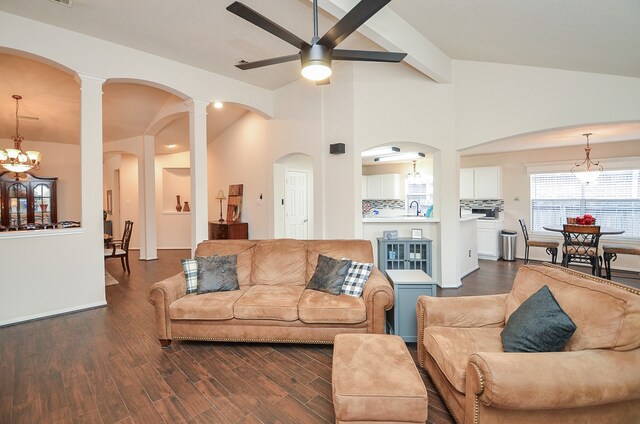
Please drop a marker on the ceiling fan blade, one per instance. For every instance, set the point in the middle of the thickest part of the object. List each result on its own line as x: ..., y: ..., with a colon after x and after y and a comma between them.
x: 323, y: 82
x: 367, y: 56
x: 266, y: 62
x: 350, y: 22
x: 30, y: 118
x: 266, y: 24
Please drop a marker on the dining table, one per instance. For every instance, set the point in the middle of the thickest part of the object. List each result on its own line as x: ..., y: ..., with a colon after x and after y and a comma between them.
x: 604, y: 231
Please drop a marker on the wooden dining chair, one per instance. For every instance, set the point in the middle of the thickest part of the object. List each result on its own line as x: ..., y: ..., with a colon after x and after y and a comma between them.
x: 550, y: 246
x: 120, y: 248
x: 581, y: 246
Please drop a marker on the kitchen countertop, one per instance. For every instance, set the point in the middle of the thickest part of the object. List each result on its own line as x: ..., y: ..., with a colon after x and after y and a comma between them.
x: 471, y: 216
x: 401, y: 219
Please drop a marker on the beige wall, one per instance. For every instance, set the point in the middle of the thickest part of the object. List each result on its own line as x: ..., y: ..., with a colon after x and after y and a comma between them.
x: 515, y: 183
x: 173, y: 228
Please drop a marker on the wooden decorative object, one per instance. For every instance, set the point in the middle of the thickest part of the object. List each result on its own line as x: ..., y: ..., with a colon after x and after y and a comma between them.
x: 234, y: 203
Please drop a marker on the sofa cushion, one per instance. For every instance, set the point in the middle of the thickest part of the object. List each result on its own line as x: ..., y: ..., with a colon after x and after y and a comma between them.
x: 607, y: 315
x: 538, y: 325
x: 278, y: 303
x: 210, y: 306
x: 356, y: 278
x: 451, y: 347
x: 329, y: 275
x: 356, y: 250
x: 190, y: 268
x: 217, y: 273
x: 279, y: 262
x: 243, y: 248
x: 317, y: 307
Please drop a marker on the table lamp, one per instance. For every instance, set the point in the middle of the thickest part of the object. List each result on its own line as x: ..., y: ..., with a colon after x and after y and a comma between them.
x: 220, y: 196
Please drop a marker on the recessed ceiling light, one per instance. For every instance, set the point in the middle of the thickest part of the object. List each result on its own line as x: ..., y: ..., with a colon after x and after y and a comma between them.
x: 218, y: 105
x: 379, y: 151
x: 171, y: 146
x: 401, y: 156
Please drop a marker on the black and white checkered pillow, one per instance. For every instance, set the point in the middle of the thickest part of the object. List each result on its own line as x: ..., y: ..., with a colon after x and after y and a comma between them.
x: 190, y: 267
x: 356, y: 278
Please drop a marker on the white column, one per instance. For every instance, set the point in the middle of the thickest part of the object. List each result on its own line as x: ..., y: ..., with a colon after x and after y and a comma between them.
x: 147, y: 199
x: 198, y: 157
x: 90, y: 173
x: 447, y: 171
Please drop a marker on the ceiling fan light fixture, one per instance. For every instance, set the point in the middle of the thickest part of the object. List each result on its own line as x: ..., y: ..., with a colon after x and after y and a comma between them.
x: 316, y: 62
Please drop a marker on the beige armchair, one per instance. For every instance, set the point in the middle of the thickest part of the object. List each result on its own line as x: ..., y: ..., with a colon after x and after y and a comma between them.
x: 595, y: 379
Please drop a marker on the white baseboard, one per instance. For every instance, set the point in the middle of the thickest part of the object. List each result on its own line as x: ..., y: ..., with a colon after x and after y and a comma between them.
x: 53, y: 313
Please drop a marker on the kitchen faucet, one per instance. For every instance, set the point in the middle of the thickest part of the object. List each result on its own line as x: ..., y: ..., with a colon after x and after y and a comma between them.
x: 417, y: 207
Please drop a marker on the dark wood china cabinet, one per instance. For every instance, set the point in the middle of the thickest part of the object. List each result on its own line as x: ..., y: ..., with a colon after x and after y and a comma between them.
x: 27, y: 201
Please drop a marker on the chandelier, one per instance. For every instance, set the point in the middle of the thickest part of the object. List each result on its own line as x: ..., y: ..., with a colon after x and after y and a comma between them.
x: 587, y: 171
x: 16, y: 160
x: 414, y: 174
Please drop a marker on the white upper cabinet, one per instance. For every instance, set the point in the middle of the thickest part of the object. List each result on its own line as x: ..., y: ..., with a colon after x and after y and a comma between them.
x: 382, y: 186
x: 481, y: 183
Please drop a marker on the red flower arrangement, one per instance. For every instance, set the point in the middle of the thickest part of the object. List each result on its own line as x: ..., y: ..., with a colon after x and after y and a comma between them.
x: 586, y: 219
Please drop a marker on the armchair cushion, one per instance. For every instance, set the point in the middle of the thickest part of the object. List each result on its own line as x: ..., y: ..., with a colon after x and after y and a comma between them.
x: 538, y: 325
x: 451, y: 348
x: 217, y: 273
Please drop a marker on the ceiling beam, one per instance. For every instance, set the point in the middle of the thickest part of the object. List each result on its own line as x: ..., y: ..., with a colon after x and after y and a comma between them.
x: 390, y: 31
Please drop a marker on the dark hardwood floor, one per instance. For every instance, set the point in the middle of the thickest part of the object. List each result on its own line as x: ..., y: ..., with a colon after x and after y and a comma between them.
x: 105, y: 365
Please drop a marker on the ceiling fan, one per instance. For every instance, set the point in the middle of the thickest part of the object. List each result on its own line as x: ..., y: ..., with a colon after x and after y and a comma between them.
x: 317, y: 55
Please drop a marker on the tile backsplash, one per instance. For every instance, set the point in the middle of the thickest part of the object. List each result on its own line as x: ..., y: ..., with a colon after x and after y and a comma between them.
x: 469, y: 204
x: 382, y: 204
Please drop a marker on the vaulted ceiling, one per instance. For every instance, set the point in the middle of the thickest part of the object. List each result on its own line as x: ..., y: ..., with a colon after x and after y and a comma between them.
x: 581, y: 35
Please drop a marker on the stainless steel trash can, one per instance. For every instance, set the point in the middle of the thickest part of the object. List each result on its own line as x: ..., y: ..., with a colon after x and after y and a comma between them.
x: 508, y: 245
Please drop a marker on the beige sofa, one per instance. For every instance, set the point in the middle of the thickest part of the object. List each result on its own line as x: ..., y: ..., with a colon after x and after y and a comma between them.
x: 595, y: 379
x: 272, y: 304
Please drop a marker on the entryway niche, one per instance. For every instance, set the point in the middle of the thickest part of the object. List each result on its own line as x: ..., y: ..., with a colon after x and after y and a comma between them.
x: 293, y: 197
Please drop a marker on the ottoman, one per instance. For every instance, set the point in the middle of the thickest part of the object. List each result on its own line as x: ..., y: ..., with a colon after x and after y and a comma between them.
x: 374, y: 379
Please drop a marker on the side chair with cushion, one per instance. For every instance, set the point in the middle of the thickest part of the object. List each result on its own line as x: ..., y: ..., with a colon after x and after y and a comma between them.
x: 593, y: 378
x: 581, y: 245
x: 610, y: 253
x: 120, y: 248
x: 550, y: 246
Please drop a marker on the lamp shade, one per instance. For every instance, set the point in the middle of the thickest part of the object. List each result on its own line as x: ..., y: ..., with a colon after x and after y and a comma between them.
x: 220, y: 195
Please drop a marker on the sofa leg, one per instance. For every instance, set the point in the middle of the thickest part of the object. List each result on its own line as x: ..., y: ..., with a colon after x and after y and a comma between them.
x: 165, y: 343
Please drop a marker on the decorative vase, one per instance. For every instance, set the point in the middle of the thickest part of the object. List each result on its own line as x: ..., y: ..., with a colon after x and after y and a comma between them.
x: 178, y: 205
x: 186, y: 207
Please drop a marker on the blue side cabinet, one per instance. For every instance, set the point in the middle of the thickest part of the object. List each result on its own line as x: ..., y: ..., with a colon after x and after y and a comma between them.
x: 408, y: 285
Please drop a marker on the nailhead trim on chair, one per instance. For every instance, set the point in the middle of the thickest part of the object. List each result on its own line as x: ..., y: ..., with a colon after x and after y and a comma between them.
x: 476, y: 403
x: 593, y: 278
x: 215, y: 339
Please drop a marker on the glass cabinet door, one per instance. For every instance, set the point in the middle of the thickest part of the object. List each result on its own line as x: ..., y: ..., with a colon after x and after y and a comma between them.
x: 42, y: 204
x: 17, y: 205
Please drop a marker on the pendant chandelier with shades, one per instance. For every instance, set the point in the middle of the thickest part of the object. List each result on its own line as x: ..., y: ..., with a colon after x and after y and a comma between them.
x: 16, y: 160
x: 587, y: 171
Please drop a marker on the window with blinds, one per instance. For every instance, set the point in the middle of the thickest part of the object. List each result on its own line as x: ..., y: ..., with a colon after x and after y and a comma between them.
x: 613, y: 199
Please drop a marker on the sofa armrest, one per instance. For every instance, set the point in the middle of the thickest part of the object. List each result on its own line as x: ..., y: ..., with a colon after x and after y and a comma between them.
x: 553, y: 380
x: 161, y: 295
x: 464, y: 311
x: 378, y: 296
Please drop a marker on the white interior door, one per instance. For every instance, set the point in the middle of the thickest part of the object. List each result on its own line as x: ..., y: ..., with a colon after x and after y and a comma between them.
x: 296, y: 217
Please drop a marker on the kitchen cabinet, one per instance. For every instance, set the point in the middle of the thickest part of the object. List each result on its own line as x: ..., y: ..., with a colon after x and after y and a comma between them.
x: 489, y: 245
x: 481, y: 183
x: 27, y: 201
x: 404, y: 253
x: 383, y: 186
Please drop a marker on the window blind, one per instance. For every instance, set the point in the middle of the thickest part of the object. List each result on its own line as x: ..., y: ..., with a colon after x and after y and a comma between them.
x: 613, y: 199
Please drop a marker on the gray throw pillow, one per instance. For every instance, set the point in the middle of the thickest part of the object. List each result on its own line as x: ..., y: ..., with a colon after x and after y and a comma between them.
x: 329, y: 275
x: 217, y: 273
x: 538, y: 325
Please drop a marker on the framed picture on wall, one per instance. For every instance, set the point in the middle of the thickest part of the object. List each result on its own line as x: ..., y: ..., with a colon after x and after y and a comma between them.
x: 416, y: 233
x: 109, y: 202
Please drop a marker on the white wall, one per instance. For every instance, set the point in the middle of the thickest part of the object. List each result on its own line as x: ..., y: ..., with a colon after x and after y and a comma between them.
x: 515, y: 185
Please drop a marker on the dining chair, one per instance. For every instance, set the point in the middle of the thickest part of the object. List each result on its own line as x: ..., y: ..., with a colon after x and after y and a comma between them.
x: 550, y: 246
x: 120, y: 248
x: 610, y: 253
x: 581, y: 246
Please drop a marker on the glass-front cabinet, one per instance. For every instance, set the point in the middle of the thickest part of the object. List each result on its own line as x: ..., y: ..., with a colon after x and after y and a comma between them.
x: 27, y: 201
